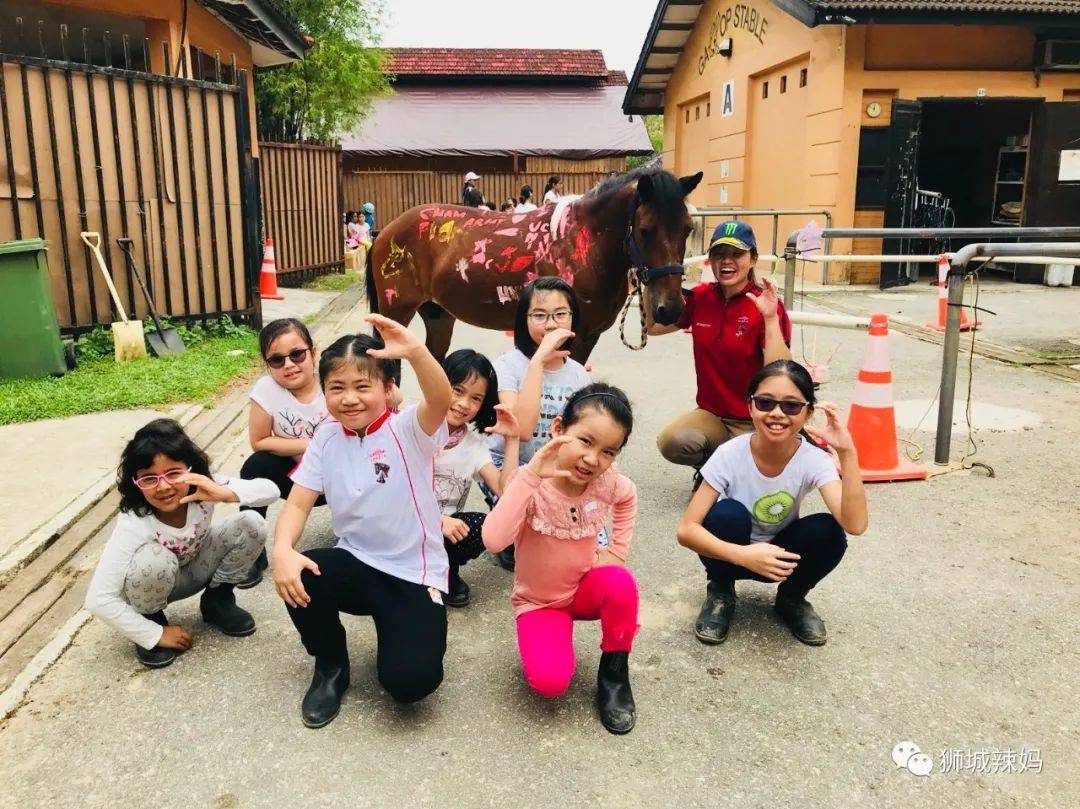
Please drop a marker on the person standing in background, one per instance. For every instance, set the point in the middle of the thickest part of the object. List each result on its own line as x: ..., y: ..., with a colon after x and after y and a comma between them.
x: 470, y: 185
x: 553, y: 189
x: 525, y: 200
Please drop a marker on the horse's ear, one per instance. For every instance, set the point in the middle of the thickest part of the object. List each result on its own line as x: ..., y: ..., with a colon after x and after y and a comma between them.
x: 645, y: 187
x: 690, y: 183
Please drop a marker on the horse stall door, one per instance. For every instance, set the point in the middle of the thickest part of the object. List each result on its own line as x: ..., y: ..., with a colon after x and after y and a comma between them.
x: 1052, y: 193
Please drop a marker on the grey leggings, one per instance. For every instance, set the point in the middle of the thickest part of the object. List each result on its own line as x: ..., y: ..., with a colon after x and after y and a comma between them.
x: 156, y: 578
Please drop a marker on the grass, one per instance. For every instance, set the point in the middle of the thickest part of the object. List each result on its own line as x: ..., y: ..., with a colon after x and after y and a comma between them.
x: 336, y: 282
x: 102, y: 384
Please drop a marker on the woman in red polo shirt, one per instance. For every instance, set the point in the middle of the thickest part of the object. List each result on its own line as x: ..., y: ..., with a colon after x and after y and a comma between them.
x: 738, y: 328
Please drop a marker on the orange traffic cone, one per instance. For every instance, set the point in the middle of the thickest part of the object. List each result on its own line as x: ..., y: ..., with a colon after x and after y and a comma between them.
x: 943, y: 300
x: 268, y: 275
x: 872, y: 420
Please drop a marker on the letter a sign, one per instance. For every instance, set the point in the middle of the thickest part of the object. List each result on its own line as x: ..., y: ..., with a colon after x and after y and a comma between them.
x: 727, y: 106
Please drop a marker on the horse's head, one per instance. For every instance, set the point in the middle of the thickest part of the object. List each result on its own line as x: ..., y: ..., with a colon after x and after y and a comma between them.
x: 656, y: 239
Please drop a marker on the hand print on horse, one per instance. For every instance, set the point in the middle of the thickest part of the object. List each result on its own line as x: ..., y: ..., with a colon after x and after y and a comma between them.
x: 451, y: 262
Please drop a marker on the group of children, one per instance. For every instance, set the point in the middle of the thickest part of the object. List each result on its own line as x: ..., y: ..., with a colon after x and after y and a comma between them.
x: 541, y: 440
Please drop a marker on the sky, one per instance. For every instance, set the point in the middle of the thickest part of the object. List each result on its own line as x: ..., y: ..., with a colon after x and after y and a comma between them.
x: 617, y: 27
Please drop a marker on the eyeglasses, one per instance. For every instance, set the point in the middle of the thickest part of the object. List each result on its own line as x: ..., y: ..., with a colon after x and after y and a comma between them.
x: 172, y: 477
x: 766, y: 404
x: 560, y: 316
x: 297, y: 356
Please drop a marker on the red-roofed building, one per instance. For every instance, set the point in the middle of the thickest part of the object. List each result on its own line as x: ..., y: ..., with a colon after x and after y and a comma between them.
x: 513, y: 116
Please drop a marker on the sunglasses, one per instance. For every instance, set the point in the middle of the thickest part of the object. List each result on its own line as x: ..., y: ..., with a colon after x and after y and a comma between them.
x: 172, y: 477
x: 297, y: 356
x: 766, y: 404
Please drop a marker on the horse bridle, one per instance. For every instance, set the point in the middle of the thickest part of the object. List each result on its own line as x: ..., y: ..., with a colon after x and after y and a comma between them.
x: 639, y: 276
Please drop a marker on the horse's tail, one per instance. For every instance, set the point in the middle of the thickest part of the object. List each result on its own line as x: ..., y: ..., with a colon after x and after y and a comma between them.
x: 369, y: 284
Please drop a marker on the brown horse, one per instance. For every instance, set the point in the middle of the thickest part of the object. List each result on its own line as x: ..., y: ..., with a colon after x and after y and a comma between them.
x: 473, y: 263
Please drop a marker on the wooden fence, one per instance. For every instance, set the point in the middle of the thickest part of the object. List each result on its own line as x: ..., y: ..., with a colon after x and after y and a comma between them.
x: 161, y: 160
x: 302, y: 208
x: 394, y: 192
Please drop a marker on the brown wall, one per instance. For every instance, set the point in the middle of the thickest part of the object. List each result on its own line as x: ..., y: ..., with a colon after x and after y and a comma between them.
x: 301, y: 191
x: 198, y: 267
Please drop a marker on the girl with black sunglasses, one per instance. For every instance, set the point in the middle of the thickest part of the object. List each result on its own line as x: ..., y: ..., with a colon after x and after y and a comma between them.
x: 744, y: 521
x: 287, y: 405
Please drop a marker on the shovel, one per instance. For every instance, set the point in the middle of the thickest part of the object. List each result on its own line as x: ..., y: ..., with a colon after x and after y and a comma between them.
x: 163, y: 342
x: 128, y: 340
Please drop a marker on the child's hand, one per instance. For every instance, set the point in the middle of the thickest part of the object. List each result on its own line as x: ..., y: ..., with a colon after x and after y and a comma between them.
x: 835, y: 432
x: 506, y: 423
x: 288, y: 565
x: 175, y: 637
x: 398, y: 342
x: 207, y: 489
x: 549, y: 346
x: 543, y: 463
x: 768, y: 560
x: 606, y: 557
x: 454, y: 529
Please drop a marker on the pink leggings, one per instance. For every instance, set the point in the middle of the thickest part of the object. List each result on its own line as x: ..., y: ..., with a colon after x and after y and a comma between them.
x: 546, y: 636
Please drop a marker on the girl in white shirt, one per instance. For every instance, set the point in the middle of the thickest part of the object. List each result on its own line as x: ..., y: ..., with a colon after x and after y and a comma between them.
x: 165, y: 546
x: 525, y: 200
x: 553, y: 189
x: 465, y: 458
x: 287, y: 406
x: 744, y: 519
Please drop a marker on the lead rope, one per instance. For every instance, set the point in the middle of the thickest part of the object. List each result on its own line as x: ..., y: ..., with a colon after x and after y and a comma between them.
x: 635, y: 291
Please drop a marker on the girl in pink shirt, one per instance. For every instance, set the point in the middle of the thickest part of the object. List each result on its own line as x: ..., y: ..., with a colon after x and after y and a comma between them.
x: 552, y: 510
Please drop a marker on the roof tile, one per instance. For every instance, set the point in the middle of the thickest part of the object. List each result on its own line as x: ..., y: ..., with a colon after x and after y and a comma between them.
x: 508, y: 62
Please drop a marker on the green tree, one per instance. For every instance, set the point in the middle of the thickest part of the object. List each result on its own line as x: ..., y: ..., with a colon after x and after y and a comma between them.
x: 330, y: 90
x: 654, y: 125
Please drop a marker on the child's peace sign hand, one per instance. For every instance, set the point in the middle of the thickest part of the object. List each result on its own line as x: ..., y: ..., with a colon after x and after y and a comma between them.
x: 506, y: 423
x: 835, y: 432
x: 544, y: 462
x: 398, y: 342
x: 207, y: 489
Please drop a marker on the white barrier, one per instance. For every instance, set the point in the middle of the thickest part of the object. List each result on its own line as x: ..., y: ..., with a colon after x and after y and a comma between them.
x: 829, y: 321
x: 769, y: 258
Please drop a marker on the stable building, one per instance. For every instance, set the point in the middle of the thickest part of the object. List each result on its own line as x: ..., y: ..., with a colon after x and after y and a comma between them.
x: 882, y: 112
x: 513, y: 116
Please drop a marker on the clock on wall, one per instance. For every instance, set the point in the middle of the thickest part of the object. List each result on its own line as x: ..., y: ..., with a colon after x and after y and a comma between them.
x: 873, y: 109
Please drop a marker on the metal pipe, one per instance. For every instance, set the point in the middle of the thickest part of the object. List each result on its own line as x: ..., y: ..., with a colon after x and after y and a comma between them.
x: 227, y: 179
x: 211, y: 200
x: 951, y: 349
x: 159, y: 181
x: 181, y: 236
x: 789, y: 272
x: 195, y: 229
x: 83, y: 222
x: 30, y: 140
x: 139, y: 189
x: 966, y: 233
x: 106, y: 42
x: 7, y: 148
x: 826, y: 320
x: 57, y: 178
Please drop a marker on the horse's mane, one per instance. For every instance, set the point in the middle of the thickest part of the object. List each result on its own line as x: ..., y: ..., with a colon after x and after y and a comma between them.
x: 668, y: 196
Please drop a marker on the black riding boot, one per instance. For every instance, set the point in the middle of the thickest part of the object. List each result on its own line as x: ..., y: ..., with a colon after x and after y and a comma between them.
x: 505, y: 558
x: 716, y: 612
x: 255, y: 572
x: 158, y: 657
x: 458, y: 596
x: 614, y: 699
x: 800, y: 617
x: 218, y: 605
x: 323, y: 698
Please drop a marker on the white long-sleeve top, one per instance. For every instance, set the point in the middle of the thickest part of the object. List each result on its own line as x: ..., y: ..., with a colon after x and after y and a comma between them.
x: 104, y: 598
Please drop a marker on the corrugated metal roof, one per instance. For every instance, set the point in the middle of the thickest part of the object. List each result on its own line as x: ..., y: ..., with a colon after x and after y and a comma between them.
x: 275, y: 37
x: 561, y: 121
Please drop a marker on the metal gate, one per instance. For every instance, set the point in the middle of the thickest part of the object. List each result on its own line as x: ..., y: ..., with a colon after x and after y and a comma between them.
x: 163, y: 160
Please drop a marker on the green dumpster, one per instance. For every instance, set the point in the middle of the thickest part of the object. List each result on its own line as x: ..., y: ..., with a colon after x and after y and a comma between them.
x: 29, y: 336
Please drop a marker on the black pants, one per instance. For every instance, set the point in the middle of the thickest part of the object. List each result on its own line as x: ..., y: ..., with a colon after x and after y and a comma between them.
x: 469, y: 548
x: 818, y: 539
x: 263, y: 464
x: 411, y: 628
